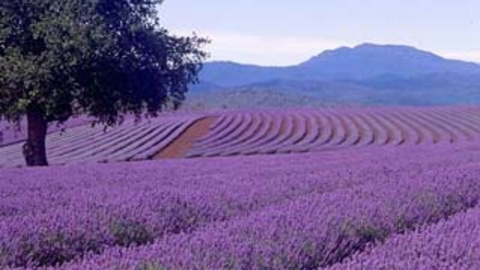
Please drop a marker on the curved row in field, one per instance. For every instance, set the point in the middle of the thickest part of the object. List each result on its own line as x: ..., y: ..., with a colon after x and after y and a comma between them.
x: 450, y: 244
x: 302, y: 130
x: 403, y: 191
x: 15, y: 133
x: 248, y: 132
x: 129, y: 142
x: 191, y: 213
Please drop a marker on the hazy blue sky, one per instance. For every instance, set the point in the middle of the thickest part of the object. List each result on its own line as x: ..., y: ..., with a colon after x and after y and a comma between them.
x: 278, y: 32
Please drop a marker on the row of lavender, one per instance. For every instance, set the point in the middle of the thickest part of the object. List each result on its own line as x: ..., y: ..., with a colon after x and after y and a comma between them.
x: 301, y: 130
x: 130, y: 141
x: 260, y: 132
x: 252, y: 213
x: 134, y: 205
x: 11, y: 133
x: 450, y: 244
x: 314, y: 230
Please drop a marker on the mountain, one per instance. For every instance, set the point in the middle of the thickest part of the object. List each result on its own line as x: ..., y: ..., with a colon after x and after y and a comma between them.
x: 368, y: 60
x: 361, y: 62
x: 228, y: 74
x: 365, y: 74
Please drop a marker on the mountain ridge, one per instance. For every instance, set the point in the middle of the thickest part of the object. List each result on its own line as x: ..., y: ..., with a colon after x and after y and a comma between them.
x: 341, y: 63
x: 365, y: 74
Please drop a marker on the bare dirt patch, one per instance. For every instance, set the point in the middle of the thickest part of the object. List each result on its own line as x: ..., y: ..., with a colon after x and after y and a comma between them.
x: 179, y: 147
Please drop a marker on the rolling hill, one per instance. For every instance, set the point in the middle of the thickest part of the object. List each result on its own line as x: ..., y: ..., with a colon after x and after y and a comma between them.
x: 256, y: 132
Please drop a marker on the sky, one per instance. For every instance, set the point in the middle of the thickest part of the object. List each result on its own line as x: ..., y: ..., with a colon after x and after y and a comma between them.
x: 281, y: 33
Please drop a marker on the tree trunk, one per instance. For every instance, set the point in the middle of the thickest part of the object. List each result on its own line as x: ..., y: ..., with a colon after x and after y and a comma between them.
x: 34, y: 149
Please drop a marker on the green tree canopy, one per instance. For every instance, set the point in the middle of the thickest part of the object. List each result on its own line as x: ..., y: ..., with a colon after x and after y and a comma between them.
x: 103, y: 58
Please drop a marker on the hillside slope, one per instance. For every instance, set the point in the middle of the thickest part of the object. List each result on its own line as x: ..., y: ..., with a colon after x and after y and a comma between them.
x: 257, y: 132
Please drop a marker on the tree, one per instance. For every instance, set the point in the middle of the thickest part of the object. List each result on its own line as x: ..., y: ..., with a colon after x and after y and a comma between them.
x: 103, y: 58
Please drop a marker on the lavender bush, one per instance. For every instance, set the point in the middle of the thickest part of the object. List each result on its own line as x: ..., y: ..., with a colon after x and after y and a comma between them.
x: 310, y: 231
x: 450, y: 244
x: 265, y: 212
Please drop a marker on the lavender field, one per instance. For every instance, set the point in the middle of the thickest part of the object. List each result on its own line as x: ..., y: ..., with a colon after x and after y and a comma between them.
x: 254, y: 132
x: 301, y: 189
x: 239, y: 135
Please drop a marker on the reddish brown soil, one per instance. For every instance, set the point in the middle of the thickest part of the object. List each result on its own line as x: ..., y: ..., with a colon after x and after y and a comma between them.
x: 179, y: 147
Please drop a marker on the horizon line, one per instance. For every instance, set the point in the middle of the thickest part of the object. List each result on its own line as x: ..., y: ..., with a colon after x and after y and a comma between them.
x: 446, y: 56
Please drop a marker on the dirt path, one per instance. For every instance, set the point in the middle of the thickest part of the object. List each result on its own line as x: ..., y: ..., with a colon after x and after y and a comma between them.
x: 179, y: 147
